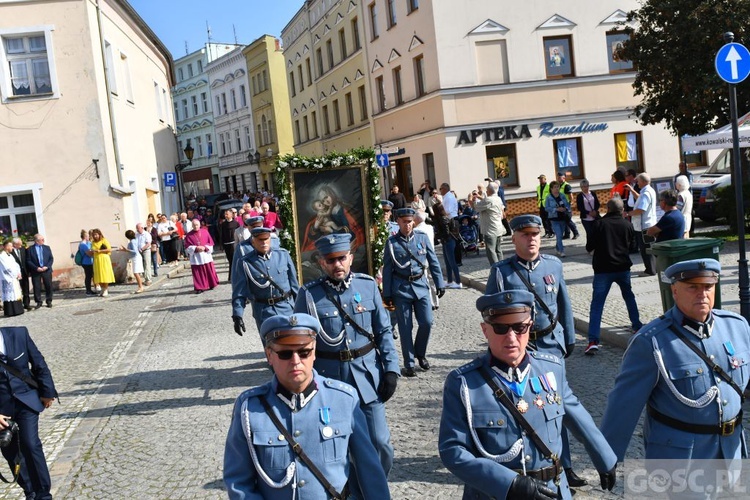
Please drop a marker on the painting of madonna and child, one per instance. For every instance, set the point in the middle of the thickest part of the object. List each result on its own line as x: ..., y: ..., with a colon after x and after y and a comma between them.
x: 327, y: 202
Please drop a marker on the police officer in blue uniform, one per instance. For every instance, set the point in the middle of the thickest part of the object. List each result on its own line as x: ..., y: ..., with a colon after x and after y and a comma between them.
x: 554, y: 329
x: 407, y: 258
x: 688, y: 368
x: 355, y: 343
x: 321, y: 416
x: 387, y: 207
x: 503, y: 413
x: 247, y: 246
x: 264, y: 276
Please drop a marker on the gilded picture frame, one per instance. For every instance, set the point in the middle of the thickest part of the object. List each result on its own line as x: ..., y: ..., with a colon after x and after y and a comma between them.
x: 328, y: 201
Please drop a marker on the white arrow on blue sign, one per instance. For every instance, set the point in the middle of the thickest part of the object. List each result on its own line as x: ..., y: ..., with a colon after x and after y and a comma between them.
x: 381, y: 160
x: 733, y: 62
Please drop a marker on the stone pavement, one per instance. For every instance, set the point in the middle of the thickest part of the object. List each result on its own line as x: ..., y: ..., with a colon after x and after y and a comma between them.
x: 147, y: 383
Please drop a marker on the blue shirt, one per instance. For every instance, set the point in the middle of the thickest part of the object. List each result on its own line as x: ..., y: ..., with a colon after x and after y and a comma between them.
x: 672, y: 225
x: 84, y: 247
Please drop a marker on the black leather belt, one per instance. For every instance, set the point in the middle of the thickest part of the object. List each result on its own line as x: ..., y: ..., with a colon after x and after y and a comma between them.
x: 411, y: 277
x: 276, y: 300
x: 346, y: 354
x: 723, y: 429
x: 537, y: 334
x: 550, y: 473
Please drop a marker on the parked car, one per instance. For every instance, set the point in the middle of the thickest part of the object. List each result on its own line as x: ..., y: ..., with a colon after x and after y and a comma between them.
x: 718, y: 175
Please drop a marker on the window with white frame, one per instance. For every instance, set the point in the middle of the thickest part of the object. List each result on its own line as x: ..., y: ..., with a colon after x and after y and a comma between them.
x: 218, y: 105
x: 126, y: 78
x: 110, y: 70
x: 185, y: 114
x: 237, y: 139
x: 200, y: 66
x: 28, y: 57
x: 243, y: 97
x: 234, y: 99
x: 270, y: 132
x: 264, y: 121
x: 176, y: 110
x: 209, y: 145
x: 204, y: 101
x: 223, y: 144
x: 18, y: 214
x: 194, y: 102
x: 199, y: 146
x: 248, y: 139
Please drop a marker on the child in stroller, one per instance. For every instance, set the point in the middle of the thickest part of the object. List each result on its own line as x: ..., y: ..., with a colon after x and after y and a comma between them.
x: 468, y: 233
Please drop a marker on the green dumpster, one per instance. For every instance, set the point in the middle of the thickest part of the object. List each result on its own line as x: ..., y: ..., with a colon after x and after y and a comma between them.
x: 673, y: 251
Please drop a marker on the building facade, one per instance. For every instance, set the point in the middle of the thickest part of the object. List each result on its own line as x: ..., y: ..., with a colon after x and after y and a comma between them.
x: 507, y: 93
x: 233, y: 122
x: 193, y: 111
x: 327, y: 77
x: 270, y: 106
x: 87, y: 123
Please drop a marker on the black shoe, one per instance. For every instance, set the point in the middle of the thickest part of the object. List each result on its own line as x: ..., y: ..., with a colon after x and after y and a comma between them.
x: 38, y: 306
x: 395, y: 335
x: 408, y: 372
x: 573, y: 480
x: 49, y: 305
x: 423, y: 363
x: 575, y: 236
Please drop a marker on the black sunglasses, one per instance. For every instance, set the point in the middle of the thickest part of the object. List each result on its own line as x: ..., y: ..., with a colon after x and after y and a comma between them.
x: 518, y: 328
x: 287, y: 354
x: 332, y: 260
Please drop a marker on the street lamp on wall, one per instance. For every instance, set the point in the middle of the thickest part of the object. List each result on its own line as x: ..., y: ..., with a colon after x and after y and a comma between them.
x: 253, y: 158
x: 189, y: 152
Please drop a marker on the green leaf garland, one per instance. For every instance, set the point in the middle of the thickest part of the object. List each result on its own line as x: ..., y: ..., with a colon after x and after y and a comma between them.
x: 360, y: 156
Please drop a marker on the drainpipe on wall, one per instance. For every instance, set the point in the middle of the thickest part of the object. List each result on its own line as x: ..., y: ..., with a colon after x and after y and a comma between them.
x: 119, y: 188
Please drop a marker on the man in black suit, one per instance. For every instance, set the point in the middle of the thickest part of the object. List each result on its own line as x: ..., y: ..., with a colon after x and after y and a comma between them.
x: 21, y: 402
x: 19, y: 253
x: 39, y: 261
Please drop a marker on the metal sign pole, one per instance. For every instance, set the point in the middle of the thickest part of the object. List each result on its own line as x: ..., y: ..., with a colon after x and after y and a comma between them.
x: 731, y: 65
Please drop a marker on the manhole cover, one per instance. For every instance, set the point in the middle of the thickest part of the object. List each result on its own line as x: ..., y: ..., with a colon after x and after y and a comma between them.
x: 89, y: 311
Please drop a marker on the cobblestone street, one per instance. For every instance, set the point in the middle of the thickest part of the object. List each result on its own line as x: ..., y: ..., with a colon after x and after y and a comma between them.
x: 147, y: 384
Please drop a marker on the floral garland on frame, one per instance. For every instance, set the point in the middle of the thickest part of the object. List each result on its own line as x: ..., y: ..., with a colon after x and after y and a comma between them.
x: 379, y: 234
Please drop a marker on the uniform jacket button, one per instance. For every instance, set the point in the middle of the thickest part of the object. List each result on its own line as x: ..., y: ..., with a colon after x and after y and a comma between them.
x: 297, y: 433
x: 301, y: 483
x: 501, y: 422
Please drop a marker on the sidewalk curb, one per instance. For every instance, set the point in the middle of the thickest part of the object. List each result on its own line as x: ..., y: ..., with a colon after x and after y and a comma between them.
x: 618, y: 337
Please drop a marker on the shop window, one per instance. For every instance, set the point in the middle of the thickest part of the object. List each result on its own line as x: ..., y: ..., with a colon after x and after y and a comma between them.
x: 629, y: 151
x: 615, y: 41
x: 558, y: 56
x: 502, y: 164
x: 569, y: 157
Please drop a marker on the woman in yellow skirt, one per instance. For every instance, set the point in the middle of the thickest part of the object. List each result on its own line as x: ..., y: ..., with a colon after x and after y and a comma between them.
x: 103, y: 273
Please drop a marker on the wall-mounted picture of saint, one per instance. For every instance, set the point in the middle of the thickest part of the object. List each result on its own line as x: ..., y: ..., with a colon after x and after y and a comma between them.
x: 327, y: 202
x: 558, y: 54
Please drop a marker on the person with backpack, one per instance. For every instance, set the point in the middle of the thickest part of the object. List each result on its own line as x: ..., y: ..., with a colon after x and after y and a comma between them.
x: 86, y: 261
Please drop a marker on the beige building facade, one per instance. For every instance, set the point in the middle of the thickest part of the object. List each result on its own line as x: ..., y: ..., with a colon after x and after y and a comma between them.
x: 88, y: 132
x: 270, y: 106
x: 326, y: 71
x: 512, y: 93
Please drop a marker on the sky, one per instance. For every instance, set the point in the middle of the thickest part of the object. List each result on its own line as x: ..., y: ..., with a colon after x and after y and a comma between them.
x: 176, y: 22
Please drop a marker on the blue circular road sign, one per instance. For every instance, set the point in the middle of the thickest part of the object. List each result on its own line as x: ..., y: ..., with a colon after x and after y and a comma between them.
x: 733, y: 62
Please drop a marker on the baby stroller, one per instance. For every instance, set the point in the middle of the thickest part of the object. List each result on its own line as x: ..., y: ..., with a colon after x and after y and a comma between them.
x: 467, y: 231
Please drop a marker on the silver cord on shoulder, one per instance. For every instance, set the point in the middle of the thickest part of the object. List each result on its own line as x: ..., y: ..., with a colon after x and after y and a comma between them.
x: 291, y: 470
x: 711, y: 394
x: 509, y: 455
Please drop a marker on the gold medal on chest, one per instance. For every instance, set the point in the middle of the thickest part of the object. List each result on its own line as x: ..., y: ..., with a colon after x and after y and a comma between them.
x: 539, y: 402
x: 522, y: 405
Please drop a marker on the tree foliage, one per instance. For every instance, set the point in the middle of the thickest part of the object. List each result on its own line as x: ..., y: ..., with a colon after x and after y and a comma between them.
x: 673, y: 48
